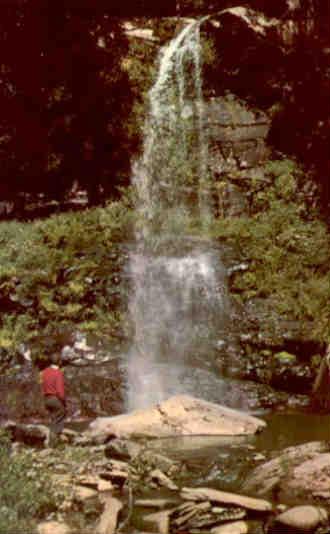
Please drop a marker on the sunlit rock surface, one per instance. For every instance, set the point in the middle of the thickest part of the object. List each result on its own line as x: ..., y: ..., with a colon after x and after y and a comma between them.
x: 299, y: 474
x: 179, y: 415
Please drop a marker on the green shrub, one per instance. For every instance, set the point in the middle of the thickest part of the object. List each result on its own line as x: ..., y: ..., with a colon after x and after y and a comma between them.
x: 287, y: 248
x: 26, y: 494
x: 61, y: 272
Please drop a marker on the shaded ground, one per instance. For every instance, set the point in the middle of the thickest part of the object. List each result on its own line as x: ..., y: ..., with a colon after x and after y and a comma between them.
x: 91, y: 391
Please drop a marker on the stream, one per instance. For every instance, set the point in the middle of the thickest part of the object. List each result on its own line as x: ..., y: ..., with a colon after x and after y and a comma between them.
x: 223, y: 462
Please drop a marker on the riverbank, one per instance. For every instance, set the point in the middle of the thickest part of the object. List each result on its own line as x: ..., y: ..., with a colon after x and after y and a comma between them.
x: 142, y: 485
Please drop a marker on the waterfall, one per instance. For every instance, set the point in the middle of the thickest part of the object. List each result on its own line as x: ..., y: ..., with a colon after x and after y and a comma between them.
x: 177, y: 305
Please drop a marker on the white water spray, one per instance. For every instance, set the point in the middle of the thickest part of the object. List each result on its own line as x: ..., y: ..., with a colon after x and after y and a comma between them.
x: 177, y: 303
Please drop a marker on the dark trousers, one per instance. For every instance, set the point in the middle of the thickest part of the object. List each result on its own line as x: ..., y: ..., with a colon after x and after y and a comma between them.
x: 56, y: 410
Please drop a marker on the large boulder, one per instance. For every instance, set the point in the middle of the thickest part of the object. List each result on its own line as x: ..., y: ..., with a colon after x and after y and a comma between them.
x: 177, y: 416
x: 310, y: 478
x: 299, y: 518
x: 298, y: 475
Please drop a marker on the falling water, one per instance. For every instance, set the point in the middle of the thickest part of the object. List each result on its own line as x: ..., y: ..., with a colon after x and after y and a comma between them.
x: 177, y: 304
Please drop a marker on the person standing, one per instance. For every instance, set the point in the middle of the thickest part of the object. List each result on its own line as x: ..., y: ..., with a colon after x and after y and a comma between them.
x: 53, y: 390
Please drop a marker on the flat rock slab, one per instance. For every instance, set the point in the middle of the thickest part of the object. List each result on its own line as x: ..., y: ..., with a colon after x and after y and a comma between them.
x: 177, y: 416
x: 224, y: 497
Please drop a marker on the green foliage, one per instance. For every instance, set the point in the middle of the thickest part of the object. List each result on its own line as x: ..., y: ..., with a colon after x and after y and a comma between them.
x: 62, y: 272
x: 139, y: 64
x: 26, y: 494
x: 287, y: 249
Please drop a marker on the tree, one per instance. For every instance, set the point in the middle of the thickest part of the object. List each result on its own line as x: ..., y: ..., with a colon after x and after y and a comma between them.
x: 64, y: 99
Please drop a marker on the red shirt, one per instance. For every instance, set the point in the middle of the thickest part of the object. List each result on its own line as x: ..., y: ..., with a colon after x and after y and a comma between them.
x: 52, y: 382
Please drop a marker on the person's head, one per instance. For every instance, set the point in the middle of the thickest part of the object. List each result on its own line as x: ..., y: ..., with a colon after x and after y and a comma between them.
x: 55, y: 358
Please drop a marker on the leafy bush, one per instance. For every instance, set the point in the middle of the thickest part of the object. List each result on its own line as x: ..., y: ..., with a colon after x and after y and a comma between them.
x: 26, y: 494
x: 61, y: 272
x: 287, y: 247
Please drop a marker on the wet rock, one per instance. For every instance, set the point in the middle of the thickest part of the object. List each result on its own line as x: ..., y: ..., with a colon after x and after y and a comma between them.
x: 281, y: 370
x: 154, y: 460
x: 302, y: 518
x: 162, y: 480
x: 121, y: 449
x: 95, y: 389
x: 274, y: 476
x: 199, y: 494
x: 180, y: 415
x: 33, y: 435
x: 186, y: 515
x: 193, y: 515
x: 310, y: 478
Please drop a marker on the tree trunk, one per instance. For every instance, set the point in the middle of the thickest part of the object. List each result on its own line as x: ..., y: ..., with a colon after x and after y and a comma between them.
x: 321, y: 386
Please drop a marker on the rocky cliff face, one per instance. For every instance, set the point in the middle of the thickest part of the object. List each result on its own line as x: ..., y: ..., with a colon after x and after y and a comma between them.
x: 237, y: 134
x: 277, y: 58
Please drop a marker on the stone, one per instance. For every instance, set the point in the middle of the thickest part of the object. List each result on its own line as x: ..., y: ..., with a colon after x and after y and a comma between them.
x: 258, y: 22
x: 104, y: 485
x: 53, y: 527
x: 250, y: 503
x: 69, y: 435
x: 82, y: 494
x: 109, y: 518
x: 162, y: 480
x: 237, y: 134
x: 91, y: 481
x: 116, y: 476
x: 145, y: 34
x: 154, y: 503
x: 271, y: 475
x: 159, y: 520
x: 178, y: 416
x: 121, y: 449
x: 305, y: 518
x: 310, y: 477
x: 33, y: 435
x: 237, y: 527
x: 150, y: 457
x: 184, y: 516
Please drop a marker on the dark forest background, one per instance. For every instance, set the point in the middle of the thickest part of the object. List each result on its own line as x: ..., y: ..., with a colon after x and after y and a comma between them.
x: 66, y: 101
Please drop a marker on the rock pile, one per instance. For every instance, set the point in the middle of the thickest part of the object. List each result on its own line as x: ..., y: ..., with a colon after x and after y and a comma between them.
x: 125, y: 495
x: 129, y: 486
